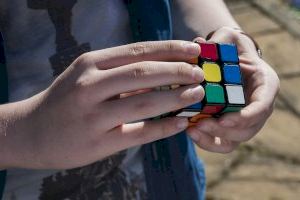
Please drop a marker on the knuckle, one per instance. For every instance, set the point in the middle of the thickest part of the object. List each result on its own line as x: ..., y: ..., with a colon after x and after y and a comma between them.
x: 138, y: 49
x: 171, y: 46
x: 83, y: 82
x: 83, y: 60
x: 139, y: 71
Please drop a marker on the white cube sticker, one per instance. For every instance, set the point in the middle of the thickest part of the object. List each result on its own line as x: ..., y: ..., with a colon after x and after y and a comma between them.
x: 187, y: 114
x: 235, y: 94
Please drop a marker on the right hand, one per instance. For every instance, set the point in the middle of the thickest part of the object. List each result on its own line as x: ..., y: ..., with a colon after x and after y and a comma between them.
x: 76, y: 121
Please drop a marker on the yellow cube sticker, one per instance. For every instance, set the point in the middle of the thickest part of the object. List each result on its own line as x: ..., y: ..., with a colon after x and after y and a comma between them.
x: 212, y: 72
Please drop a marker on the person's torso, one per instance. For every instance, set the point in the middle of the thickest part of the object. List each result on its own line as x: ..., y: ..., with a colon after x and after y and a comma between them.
x: 40, y: 37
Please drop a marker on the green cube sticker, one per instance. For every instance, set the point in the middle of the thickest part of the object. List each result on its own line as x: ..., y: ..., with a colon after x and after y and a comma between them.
x: 214, y: 94
x: 232, y: 109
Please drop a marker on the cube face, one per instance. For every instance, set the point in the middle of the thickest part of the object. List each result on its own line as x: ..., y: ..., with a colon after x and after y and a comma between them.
x: 209, y: 51
x: 223, y: 83
x: 212, y: 72
x: 228, y: 53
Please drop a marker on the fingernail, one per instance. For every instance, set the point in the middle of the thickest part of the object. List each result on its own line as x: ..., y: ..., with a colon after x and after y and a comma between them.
x: 182, y: 123
x: 227, y: 123
x: 197, y: 74
x: 197, y: 92
x: 218, y: 141
x: 192, y: 48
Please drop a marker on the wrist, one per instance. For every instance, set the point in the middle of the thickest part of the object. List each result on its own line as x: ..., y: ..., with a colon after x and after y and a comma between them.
x: 15, y: 142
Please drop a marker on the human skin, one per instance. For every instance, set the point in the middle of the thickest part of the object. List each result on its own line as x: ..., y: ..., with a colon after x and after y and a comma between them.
x: 79, y: 119
x: 200, y: 17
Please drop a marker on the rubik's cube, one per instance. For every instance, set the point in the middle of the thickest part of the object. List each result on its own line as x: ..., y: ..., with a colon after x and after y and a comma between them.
x: 223, y: 83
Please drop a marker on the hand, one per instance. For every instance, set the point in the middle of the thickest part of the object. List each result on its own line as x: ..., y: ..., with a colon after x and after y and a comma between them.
x: 223, y: 135
x: 76, y: 121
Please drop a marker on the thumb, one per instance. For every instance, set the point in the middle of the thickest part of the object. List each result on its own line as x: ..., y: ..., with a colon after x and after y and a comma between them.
x: 229, y: 35
x: 199, y: 39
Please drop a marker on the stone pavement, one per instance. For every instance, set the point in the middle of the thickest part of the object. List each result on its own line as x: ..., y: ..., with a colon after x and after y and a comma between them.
x: 267, y: 167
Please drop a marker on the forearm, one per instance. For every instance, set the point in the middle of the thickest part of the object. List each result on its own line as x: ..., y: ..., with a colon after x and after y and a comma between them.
x: 13, y: 131
x: 193, y: 18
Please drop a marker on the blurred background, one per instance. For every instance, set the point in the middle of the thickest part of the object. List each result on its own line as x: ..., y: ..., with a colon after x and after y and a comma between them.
x: 267, y: 167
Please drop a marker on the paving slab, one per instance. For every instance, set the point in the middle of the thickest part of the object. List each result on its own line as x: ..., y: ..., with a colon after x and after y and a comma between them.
x: 280, y: 104
x: 259, y: 167
x: 281, y: 51
x: 254, y: 22
x: 254, y: 190
x: 259, y: 177
x: 291, y: 93
x: 215, y: 164
x: 280, y: 135
x: 280, y: 12
x: 237, y: 6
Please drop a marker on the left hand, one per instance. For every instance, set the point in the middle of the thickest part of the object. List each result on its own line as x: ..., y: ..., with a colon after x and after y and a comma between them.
x: 223, y: 135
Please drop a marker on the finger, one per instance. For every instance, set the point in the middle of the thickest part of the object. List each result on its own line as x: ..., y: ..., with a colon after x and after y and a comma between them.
x: 223, y: 35
x: 143, y: 75
x: 213, y: 128
x: 261, y: 92
x: 230, y: 35
x: 199, y: 39
x: 128, y: 135
x: 253, y: 114
x: 172, y: 50
x: 210, y: 143
x: 150, y: 104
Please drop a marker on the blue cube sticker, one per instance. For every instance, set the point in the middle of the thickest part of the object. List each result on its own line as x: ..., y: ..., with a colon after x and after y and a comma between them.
x: 196, y: 106
x: 228, y: 53
x: 232, y: 74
